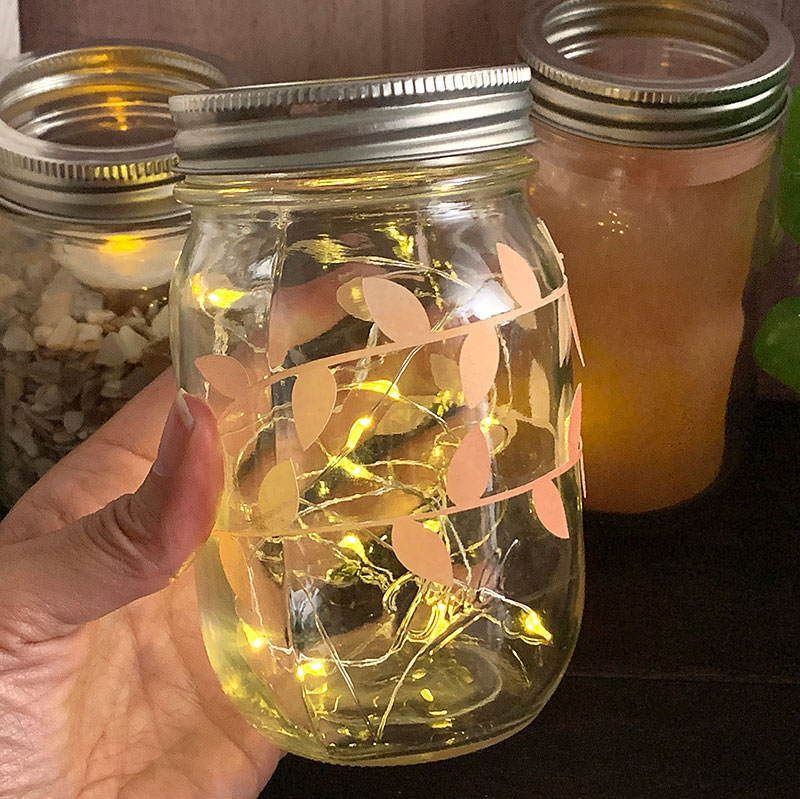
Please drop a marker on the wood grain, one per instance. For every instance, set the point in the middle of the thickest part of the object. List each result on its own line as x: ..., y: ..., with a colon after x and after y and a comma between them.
x: 275, y: 40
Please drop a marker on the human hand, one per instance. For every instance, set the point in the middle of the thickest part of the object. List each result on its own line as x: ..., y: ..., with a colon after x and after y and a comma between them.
x: 105, y: 689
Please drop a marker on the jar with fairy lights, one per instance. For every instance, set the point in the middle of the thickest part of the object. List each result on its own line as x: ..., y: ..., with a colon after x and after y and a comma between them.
x: 384, y: 333
x: 89, y: 235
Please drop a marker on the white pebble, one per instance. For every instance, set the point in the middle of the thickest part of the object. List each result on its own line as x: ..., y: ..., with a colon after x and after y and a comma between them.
x: 88, y: 337
x: 111, y: 388
x: 159, y: 327
x: 73, y: 421
x: 85, y: 302
x: 110, y: 352
x: 41, y: 333
x: 63, y: 335
x: 8, y: 287
x: 102, y: 317
x: 17, y: 339
x: 46, y: 398
x: 63, y: 282
x: 53, y: 309
x: 132, y: 344
x: 62, y: 437
x: 24, y: 440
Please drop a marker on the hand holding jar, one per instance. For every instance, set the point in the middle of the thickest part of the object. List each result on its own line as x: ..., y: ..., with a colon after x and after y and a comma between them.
x: 105, y: 684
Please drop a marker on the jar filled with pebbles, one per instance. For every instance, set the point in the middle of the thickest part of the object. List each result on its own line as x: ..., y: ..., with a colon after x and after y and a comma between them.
x: 89, y: 235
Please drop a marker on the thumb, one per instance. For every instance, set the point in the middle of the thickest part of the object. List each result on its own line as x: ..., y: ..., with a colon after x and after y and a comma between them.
x: 133, y: 546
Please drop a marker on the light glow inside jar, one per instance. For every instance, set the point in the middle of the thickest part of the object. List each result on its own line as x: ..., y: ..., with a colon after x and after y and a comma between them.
x: 120, y: 261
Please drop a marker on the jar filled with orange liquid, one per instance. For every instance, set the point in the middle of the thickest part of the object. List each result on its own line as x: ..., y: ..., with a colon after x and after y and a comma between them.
x: 656, y: 131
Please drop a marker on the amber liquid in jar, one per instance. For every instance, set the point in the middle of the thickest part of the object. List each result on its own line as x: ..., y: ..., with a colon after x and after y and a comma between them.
x: 658, y: 246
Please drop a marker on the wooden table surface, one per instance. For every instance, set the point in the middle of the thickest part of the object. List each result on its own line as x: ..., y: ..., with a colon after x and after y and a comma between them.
x: 685, y: 679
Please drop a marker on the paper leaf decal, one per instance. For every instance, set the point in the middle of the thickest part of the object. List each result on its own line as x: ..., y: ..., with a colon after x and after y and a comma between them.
x: 247, y: 577
x: 519, y: 277
x: 478, y: 362
x: 422, y: 552
x: 574, y: 327
x: 445, y: 373
x: 543, y: 229
x: 396, y: 311
x: 550, y: 507
x: 539, y: 393
x: 279, y: 497
x: 350, y: 296
x: 313, y: 399
x: 223, y: 373
x: 470, y: 469
x: 564, y: 330
x: 574, y: 426
x: 400, y: 418
x: 278, y: 346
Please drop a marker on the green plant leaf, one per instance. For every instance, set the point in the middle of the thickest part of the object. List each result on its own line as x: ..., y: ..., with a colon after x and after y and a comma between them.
x: 789, y: 190
x: 777, y: 343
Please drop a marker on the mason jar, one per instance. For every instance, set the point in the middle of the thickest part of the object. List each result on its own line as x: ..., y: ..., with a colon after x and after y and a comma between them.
x: 89, y: 235
x: 656, y: 128
x: 384, y: 333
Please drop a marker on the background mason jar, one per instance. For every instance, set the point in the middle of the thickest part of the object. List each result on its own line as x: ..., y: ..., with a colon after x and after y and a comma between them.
x: 657, y: 128
x: 89, y: 235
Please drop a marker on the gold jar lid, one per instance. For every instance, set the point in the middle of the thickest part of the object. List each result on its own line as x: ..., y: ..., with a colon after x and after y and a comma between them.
x: 86, y: 134
x: 684, y: 73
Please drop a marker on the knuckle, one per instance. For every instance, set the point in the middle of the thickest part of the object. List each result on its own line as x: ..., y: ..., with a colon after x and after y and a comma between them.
x: 126, y: 534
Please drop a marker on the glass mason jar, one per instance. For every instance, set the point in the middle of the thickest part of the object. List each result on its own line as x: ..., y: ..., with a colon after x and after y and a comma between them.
x: 384, y: 333
x: 656, y: 131
x: 89, y: 235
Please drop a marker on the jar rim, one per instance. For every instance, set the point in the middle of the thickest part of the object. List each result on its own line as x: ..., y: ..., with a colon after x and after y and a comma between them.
x: 85, y: 132
x: 746, y: 55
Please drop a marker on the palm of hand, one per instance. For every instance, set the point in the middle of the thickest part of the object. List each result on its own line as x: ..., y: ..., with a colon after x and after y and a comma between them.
x: 126, y: 706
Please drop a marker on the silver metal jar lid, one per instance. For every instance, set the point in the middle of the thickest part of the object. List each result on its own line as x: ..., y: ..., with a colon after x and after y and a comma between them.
x: 687, y: 73
x: 306, y: 125
x: 86, y: 134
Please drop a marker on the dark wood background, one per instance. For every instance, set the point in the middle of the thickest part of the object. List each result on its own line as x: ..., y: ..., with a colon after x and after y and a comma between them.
x: 276, y: 40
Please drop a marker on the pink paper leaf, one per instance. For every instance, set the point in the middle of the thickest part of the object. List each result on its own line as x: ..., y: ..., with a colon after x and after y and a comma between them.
x: 396, y: 311
x: 279, y: 498
x: 478, y: 362
x: 350, y: 296
x: 539, y: 394
x: 223, y: 373
x: 277, y: 346
x: 422, y: 552
x: 574, y: 327
x: 255, y: 592
x: 564, y: 330
x: 519, y: 277
x: 313, y: 399
x: 550, y: 507
x: 574, y: 424
x: 470, y: 468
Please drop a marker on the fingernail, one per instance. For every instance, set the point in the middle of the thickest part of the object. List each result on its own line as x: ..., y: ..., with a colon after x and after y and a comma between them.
x: 174, y: 439
x: 183, y: 410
